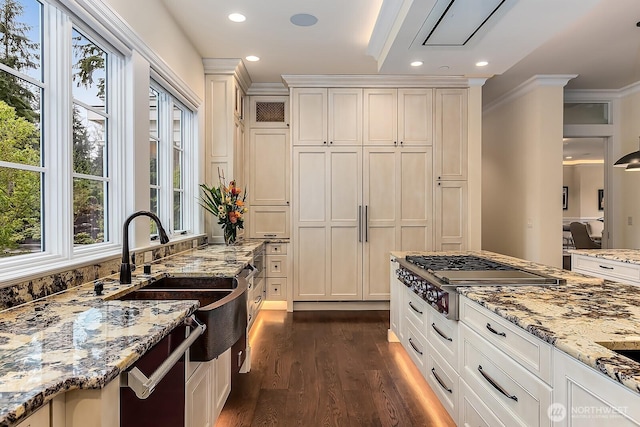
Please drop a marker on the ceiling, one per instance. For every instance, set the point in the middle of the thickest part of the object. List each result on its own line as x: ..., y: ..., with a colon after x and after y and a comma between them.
x: 590, y: 38
x: 583, y: 150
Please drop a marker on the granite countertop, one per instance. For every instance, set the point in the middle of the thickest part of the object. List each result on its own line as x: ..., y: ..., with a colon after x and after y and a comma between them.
x: 75, y: 339
x: 574, y: 317
x: 631, y: 256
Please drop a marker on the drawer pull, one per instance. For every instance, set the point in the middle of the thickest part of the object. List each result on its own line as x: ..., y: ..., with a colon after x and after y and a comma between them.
x: 502, y: 334
x: 258, y: 300
x: 269, y: 235
x: 496, y: 385
x: 433, y: 372
x: 413, y: 307
x: 606, y: 267
x: 415, y: 348
x: 435, y: 328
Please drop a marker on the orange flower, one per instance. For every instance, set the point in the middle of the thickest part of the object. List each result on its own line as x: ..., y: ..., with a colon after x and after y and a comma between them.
x: 239, y: 203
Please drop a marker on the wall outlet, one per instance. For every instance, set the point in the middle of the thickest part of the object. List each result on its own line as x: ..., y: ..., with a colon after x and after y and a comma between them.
x: 148, y: 257
x: 629, y: 220
x: 194, y: 243
x: 529, y: 223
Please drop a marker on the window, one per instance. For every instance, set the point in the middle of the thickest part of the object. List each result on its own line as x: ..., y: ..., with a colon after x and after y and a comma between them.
x: 22, y: 172
x: 171, y: 139
x: 56, y: 187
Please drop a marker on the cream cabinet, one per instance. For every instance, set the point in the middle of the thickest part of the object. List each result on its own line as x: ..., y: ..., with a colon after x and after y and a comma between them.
x: 397, y: 201
x: 269, y: 183
x: 224, y: 134
x: 40, y: 418
x: 450, y: 215
x: 398, y: 117
x: 584, y: 397
x: 352, y: 206
x: 617, y: 271
x: 277, y: 268
x: 220, y: 373
x: 327, y: 116
x: 451, y: 134
x: 327, y: 240
x: 198, y: 411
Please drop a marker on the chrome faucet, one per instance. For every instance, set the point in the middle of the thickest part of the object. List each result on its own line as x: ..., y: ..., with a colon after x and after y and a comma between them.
x: 125, y: 267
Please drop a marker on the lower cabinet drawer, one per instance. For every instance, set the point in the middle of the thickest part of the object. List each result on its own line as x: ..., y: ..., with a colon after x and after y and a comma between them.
x: 416, y: 347
x: 442, y: 334
x: 513, y: 394
x: 443, y: 380
x: 526, y: 349
x: 473, y: 412
x: 605, y: 268
x: 415, y: 310
x: 276, y: 288
x: 276, y: 266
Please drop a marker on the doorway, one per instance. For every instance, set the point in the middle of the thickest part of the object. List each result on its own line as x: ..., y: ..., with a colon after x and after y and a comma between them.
x: 584, y: 195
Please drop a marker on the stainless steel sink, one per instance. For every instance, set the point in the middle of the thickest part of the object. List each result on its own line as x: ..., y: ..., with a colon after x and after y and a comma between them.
x: 223, y: 308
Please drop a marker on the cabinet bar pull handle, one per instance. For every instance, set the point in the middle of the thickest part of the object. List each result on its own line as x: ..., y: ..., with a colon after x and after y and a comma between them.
x: 502, y: 334
x: 435, y: 328
x: 366, y: 223
x: 606, y: 267
x: 413, y: 307
x: 496, y: 385
x: 433, y: 372
x: 359, y: 223
x: 415, y: 348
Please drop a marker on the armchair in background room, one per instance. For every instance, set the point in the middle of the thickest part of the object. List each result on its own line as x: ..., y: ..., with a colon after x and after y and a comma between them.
x: 581, y: 238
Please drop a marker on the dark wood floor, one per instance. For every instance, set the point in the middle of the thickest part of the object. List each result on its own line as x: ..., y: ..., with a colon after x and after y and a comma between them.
x: 329, y: 368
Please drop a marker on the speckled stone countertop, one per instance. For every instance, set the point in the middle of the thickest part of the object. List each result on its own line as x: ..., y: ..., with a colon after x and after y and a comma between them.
x: 632, y: 256
x: 574, y: 317
x: 75, y: 339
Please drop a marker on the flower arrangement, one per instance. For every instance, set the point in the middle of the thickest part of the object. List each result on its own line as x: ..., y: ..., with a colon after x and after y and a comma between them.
x: 226, y: 204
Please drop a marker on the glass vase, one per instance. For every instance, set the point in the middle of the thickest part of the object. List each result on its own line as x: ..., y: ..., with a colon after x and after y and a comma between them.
x: 229, y: 235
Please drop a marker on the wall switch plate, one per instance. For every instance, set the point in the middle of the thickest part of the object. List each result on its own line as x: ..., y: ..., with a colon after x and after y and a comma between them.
x: 629, y: 220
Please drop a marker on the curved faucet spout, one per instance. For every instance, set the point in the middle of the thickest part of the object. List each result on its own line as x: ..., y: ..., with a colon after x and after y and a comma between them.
x: 125, y: 267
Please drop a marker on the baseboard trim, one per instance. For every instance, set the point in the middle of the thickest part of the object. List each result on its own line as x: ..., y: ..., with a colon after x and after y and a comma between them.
x: 340, y: 305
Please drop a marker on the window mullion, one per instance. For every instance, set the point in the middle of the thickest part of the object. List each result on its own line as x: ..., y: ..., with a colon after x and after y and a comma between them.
x: 166, y: 161
x: 58, y: 194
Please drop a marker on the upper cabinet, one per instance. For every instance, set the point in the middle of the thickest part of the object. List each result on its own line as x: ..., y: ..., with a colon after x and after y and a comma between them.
x: 327, y: 116
x: 398, y: 117
x: 451, y: 134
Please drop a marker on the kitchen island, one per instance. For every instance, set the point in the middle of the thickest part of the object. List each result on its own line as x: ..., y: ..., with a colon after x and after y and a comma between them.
x: 584, y: 320
x: 78, y: 340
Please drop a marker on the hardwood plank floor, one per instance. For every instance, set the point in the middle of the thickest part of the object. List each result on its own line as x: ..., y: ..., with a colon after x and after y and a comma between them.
x: 329, y: 368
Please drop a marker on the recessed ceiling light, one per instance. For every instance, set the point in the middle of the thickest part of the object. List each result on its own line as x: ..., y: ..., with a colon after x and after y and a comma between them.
x: 416, y: 63
x: 303, y: 20
x: 237, y: 17
x: 482, y: 64
x: 252, y: 58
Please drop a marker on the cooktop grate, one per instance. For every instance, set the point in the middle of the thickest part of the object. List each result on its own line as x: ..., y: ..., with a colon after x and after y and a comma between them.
x: 456, y: 262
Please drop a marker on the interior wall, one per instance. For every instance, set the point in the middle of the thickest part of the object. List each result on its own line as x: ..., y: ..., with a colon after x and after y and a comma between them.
x: 522, y: 175
x: 153, y: 23
x: 583, y: 181
x: 626, y: 185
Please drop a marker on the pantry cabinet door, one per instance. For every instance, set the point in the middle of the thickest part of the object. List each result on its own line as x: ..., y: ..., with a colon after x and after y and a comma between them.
x: 414, y: 203
x: 450, y: 215
x: 451, y: 134
x: 415, y: 117
x: 345, y: 117
x: 380, y: 219
x: 309, y: 116
x: 344, y: 268
x: 269, y: 158
x: 380, y: 117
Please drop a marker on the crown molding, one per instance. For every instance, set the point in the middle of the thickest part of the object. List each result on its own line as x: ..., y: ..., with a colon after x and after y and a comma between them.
x: 539, y: 80
x: 375, y: 80
x: 268, y: 89
x: 228, y: 66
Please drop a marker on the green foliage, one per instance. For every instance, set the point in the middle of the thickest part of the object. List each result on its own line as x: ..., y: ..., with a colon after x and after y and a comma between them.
x: 19, y: 53
x: 19, y: 189
x: 91, y: 58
